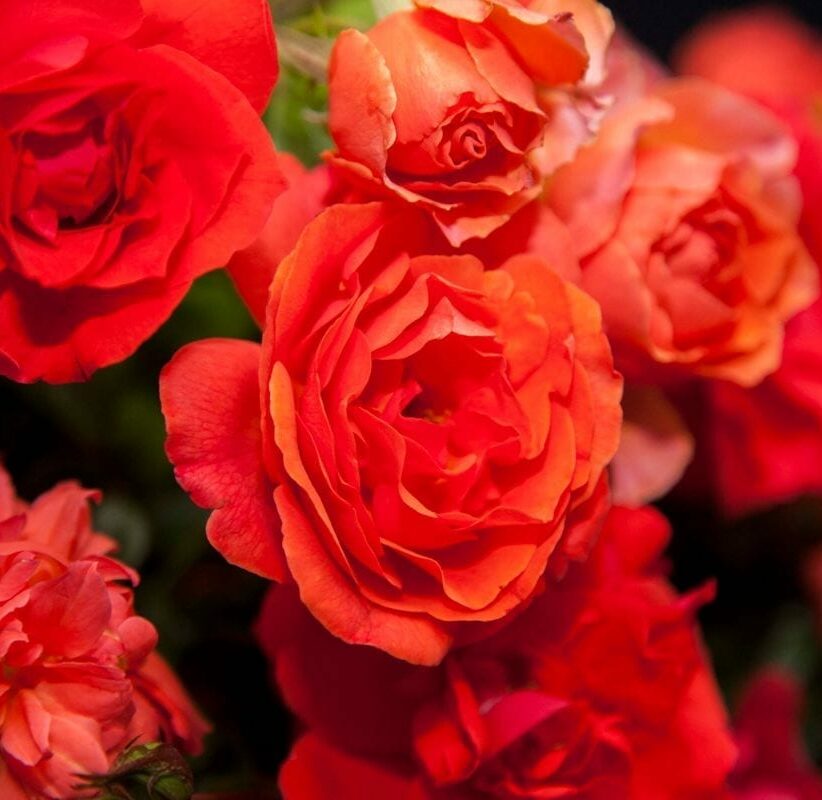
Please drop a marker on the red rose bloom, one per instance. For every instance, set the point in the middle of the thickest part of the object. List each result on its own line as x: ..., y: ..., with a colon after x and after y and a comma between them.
x: 684, y: 213
x: 599, y: 691
x: 459, y: 107
x: 773, y: 763
x: 132, y: 160
x: 79, y: 677
x: 431, y: 434
x: 766, y: 444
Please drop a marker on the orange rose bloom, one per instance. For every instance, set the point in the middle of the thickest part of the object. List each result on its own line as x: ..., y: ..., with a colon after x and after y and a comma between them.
x: 684, y: 213
x: 413, y: 442
x: 460, y: 105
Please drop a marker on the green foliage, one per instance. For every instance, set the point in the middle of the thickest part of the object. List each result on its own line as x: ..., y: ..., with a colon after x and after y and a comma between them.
x: 152, y: 771
x: 296, y: 116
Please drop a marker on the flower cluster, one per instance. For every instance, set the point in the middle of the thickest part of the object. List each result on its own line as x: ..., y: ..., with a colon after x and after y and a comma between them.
x: 535, y: 277
x: 519, y: 209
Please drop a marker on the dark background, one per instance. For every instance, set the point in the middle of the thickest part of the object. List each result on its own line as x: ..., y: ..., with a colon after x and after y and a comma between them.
x: 660, y: 23
x: 108, y: 433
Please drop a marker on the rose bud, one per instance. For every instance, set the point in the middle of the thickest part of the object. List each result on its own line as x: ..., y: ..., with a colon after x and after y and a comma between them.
x: 152, y: 771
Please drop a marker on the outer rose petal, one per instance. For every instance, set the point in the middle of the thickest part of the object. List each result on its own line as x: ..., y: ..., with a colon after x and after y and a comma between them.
x: 596, y: 24
x: 210, y: 398
x: 766, y: 441
x: 322, y: 679
x: 232, y: 37
x: 61, y: 519
x: 241, y: 212
x: 162, y: 702
x: 337, y: 603
x: 359, y: 114
x: 588, y: 193
x: 317, y: 771
x: 9, y: 504
x: 654, y: 450
x: 252, y: 269
x: 709, y: 117
x: 10, y: 789
x: 69, y: 615
x: 695, y: 738
x: 62, y: 336
x: 59, y: 32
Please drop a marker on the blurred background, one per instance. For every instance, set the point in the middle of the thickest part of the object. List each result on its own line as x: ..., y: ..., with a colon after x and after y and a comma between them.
x: 108, y: 433
x: 659, y: 25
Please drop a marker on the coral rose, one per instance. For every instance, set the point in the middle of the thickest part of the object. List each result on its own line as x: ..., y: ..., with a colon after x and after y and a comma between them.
x: 132, y: 160
x: 79, y: 677
x: 599, y: 691
x: 684, y: 213
x: 767, y: 55
x: 431, y: 434
x: 766, y: 444
x: 459, y: 107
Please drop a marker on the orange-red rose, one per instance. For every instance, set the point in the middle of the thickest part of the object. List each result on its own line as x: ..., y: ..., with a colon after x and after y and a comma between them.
x: 79, y: 678
x: 415, y: 439
x: 600, y: 691
x: 460, y: 107
x: 132, y: 160
x: 684, y: 213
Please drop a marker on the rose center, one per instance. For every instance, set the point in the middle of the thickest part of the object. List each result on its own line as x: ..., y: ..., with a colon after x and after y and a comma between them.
x: 704, y: 244
x: 67, y: 179
x: 459, y: 378
x: 468, y: 143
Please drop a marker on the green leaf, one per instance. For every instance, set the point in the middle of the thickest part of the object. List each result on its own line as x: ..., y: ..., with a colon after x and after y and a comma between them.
x: 296, y: 116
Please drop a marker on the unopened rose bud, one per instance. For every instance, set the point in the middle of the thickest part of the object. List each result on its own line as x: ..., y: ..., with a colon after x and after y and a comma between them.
x: 153, y: 771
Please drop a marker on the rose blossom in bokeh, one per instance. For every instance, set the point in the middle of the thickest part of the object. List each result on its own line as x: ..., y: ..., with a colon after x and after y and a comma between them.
x: 766, y: 444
